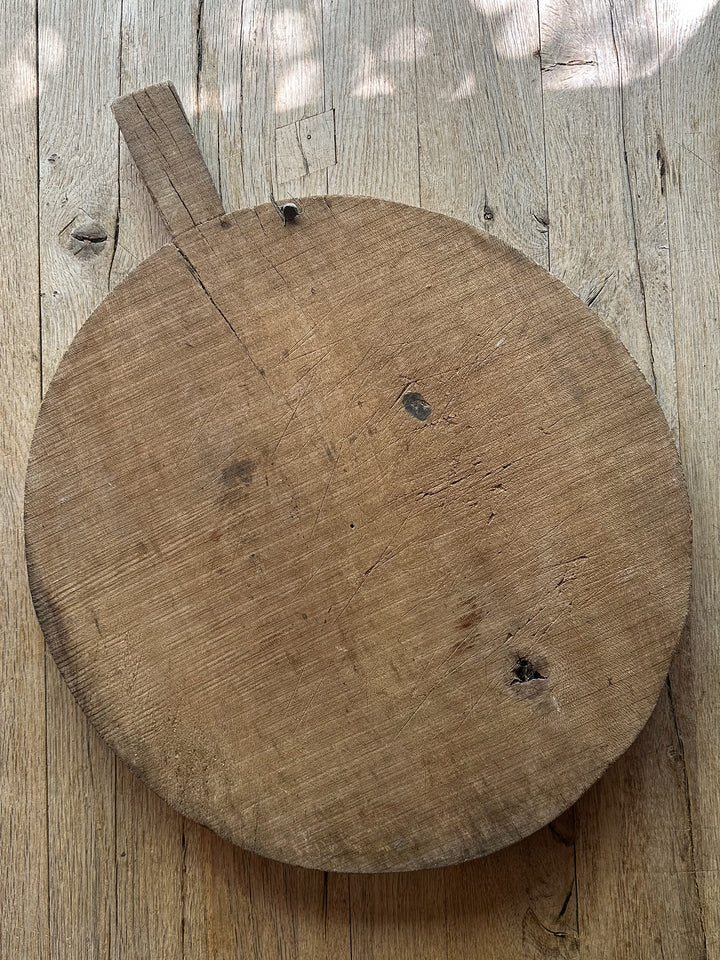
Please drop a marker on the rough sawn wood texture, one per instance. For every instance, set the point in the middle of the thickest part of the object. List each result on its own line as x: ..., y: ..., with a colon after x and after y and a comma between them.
x: 585, y: 136
x: 360, y: 538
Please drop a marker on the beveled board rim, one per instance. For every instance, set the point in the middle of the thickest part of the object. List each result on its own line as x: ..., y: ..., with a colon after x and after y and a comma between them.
x: 41, y: 603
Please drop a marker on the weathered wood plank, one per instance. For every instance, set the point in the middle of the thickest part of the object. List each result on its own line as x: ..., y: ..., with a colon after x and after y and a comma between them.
x: 23, y: 814
x: 237, y: 903
x: 234, y: 900
x: 480, y: 118
x: 592, y: 198
x: 609, y: 242
x: 636, y: 877
x: 280, y: 83
x: 78, y: 166
x: 150, y: 870
x: 689, y: 36
x: 159, y: 43
x: 251, y: 167
x: 685, y: 86
x: 299, y: 101
x: 370, y: 83
x: 468, y: 61
x: 304, y: 147
x: 77, y: 225
x: 628, y: 36
x: 158, y: 136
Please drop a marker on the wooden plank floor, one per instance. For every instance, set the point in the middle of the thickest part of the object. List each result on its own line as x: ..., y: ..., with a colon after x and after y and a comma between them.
x: 586, y: 133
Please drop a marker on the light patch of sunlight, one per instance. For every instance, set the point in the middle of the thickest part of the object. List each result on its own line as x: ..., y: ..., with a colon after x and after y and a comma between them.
x: 291, y: 35
x: 298, y: 85
x: 209, y: 100
x: 18, y: 80
x: 593, y: 47
x: 691, y: 12
x: 368, y: 80
x: 464, y: 89
x: 230, y: 93
x: 492, y: 7
x: 514, y: 37
x: 51, y: 51
x: 403, y: 47
x: 374, y: 86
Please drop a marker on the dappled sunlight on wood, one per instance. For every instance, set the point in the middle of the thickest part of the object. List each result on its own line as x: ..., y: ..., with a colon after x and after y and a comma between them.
x: 291, y: 86
x: 584, y: 133
x: 19, y: 82
x: 297, y: 61
x: 369, y: 80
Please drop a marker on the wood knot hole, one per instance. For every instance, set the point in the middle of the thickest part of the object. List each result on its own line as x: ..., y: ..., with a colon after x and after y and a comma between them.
x: 88, y: 240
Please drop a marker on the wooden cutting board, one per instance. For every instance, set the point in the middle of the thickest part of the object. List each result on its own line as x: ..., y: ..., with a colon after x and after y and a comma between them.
x: 358, y: 537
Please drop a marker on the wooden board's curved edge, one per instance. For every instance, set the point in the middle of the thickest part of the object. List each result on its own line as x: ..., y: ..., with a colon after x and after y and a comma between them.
x: 52, y: 627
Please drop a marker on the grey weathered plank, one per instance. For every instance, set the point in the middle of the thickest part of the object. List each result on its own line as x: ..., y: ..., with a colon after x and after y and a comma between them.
x: 609, y: 242
x: 159, y: 43
x: 23, y: 813
x: 633, y: 801
x: 690, y: 76
x: 481, y: 151
x: 370, y: 83
x: 299, y: 103
x: 77, y: 221
x: 480, y: 119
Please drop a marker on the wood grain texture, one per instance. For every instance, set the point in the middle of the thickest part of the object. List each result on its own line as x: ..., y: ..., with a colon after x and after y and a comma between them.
x: 690, y: 86
x: 161, y: 143
x: 595, y: 83
x: 279, y: 461
x: 77, y: 231
x: 23, y: 783
x: 370, y: 81
x: 500, y: 900
x: 467, y: 60
x: 159, y: 40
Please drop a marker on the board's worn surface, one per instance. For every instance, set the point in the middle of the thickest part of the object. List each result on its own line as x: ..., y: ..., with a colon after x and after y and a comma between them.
x: 584, y: 134
x: 360, y: 539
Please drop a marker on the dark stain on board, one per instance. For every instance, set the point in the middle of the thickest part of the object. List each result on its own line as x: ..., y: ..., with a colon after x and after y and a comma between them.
x: 416, y: 405
x: 471, y: 617
x: 239, y: 471
x: 234, y: 483
x: 53, y: 626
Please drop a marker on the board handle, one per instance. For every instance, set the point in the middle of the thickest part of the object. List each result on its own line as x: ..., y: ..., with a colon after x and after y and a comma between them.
x: 162, y: 145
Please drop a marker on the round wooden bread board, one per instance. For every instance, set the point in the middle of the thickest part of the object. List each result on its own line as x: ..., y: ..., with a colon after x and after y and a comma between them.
x: 359, y: 538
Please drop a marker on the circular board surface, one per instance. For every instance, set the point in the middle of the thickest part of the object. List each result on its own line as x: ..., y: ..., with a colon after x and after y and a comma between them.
x: 360, y: 538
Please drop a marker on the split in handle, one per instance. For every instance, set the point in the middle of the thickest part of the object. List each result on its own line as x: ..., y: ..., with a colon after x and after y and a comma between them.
x: 162, y: 145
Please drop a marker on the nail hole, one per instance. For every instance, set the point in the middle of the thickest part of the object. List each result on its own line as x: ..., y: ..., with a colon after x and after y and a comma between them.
x: 289, y: 211
x: 417, y: 406
x: 524, y: 671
